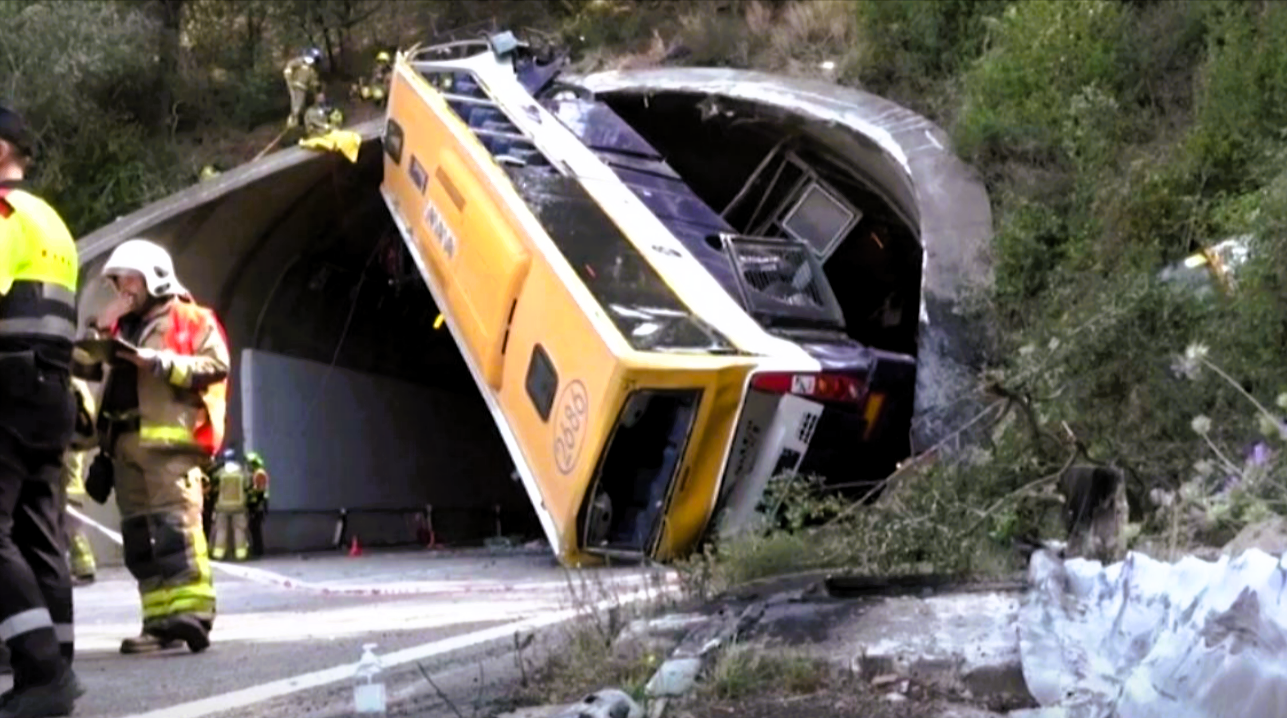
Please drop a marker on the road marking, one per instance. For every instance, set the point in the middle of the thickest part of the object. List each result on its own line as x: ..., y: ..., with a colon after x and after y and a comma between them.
x: 419, y: 588
x: 228, y: 702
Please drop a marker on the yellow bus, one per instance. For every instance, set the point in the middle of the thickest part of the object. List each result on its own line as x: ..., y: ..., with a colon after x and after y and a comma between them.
x: 615, y: 365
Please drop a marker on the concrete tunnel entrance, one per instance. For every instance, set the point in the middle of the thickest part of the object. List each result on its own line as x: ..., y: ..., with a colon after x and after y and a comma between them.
x: 360, y: 406
x: 363, y: 411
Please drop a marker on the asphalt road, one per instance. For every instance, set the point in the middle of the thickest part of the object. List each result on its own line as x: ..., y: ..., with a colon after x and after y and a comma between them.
x: 287, y: 651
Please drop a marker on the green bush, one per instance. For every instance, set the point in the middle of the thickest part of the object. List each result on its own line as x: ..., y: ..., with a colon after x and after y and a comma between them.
x: 1242, y: 103
x: 1044, y: 53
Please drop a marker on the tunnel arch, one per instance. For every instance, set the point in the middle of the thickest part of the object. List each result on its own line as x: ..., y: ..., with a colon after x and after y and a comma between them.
x: 908, y: 160
x: 287, y: 250
x: 258, y: 241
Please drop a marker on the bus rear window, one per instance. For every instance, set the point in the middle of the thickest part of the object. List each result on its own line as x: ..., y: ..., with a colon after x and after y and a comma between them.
x: 638, y: 466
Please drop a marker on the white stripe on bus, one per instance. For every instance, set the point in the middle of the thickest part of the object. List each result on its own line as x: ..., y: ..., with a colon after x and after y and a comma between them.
x: 683, y: 274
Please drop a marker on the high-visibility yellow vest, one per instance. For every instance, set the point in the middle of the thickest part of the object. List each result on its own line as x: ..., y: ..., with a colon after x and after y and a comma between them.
x: 38, y: 269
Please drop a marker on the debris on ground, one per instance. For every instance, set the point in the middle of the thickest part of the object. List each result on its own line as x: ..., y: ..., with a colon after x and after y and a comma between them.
x: 1192, y: 638
x: 1143, y: 638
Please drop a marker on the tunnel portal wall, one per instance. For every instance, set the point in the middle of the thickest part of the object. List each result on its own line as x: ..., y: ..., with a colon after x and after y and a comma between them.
x: 341, y: 439
x: 905, y: 158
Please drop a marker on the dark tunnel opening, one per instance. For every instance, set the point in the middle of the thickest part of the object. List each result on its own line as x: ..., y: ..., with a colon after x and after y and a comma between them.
x: 367, y: 415
x: 873, y: 258
x: 353, y: 299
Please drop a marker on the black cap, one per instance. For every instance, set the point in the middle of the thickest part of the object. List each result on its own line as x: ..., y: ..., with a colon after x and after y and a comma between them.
x: 13, y: 129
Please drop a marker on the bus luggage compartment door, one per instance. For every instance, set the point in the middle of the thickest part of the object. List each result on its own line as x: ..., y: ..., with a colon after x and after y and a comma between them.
x: 485, y: 259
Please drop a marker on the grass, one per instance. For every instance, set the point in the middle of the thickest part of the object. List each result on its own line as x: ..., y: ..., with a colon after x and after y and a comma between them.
x: 589, y: 656
x: 746, y: 670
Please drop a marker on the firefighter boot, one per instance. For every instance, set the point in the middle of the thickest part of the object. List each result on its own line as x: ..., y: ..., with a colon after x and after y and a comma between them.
x: 187, y: 628
x: 57, y: 698
x: 147, y: 643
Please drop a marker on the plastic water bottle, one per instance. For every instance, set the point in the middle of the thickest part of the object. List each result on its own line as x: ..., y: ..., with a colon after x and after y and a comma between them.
x: 368, y: 689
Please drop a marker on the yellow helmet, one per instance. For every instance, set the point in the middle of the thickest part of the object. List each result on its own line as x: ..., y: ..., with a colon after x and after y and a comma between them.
x: 382, y: 56
x: 209, y: 172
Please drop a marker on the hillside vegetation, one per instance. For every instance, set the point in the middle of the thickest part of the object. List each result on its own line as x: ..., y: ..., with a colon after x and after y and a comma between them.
x: 1115, y: 136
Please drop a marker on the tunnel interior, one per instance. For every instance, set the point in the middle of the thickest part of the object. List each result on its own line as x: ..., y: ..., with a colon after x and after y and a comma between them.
x: 873, y: 264
x: 353, y: 297
x: 367, y: 415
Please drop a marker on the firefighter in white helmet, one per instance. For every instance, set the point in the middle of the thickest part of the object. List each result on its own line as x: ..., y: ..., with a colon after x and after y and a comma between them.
x: 161, y: 418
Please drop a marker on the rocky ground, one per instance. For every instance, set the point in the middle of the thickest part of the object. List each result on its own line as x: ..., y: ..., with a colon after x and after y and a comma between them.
x: 811, y: 646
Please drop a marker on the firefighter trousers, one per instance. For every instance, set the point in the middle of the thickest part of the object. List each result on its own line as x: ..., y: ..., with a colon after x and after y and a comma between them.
x: 160, y: 498
x: 35, y: 583
x: 297, y: 97
x: 234, y: 525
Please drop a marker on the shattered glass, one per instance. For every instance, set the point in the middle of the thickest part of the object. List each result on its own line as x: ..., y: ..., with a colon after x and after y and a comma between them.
x: 635, y: 297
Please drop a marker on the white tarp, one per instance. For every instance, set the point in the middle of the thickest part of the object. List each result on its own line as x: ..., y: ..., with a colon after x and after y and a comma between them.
x: 1146, y: 639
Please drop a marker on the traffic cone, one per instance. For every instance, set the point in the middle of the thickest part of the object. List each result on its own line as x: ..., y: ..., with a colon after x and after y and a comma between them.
x: 355, y: 549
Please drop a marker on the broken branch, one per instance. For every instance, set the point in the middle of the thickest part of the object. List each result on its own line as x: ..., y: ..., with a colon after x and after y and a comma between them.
x: 438, y: 690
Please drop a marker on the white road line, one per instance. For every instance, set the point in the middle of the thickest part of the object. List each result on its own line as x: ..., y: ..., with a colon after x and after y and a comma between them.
x: 228, y: 702
x: 399, y: 588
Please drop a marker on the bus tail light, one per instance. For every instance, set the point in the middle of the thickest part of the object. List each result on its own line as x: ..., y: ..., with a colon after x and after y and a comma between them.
x: 820, y: 387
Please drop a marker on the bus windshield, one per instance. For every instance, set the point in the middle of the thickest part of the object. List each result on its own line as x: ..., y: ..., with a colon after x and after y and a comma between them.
x: 637, y: 469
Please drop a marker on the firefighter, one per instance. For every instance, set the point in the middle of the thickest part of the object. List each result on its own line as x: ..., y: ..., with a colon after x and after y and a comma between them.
x: 83, y: 565
x: 231, y: 479
x: 257, y: 500
x: 162, y: 417
x: 38, y: 276
x: 376, y: 89
x: 301, y: 81
x: 322, y: 118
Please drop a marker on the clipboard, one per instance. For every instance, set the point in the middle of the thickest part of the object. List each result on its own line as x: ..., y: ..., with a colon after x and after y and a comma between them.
x: 93, y: 351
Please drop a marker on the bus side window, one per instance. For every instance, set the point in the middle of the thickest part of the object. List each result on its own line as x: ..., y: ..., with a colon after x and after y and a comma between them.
x: 542, y: 382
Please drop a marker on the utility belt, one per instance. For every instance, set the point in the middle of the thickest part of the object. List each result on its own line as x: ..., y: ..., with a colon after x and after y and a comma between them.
x: 113, y: 425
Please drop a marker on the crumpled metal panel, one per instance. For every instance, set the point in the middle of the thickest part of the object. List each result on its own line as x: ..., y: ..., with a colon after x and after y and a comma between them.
x: 910, y: 160
x: 644, y: 309
x: 1142, y: 638
x: 599, y: 127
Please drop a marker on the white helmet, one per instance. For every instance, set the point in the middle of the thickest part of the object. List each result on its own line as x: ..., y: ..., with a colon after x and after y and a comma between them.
x: 148, y: 259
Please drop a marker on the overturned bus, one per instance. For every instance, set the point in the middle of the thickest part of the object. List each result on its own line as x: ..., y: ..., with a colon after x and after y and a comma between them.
x: 650, y: 362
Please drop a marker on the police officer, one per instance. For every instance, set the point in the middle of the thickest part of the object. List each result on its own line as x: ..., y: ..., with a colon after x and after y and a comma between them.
x: 38, y: 276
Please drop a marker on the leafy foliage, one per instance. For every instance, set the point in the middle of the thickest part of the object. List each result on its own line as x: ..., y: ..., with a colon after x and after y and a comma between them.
x: 1116, y: 137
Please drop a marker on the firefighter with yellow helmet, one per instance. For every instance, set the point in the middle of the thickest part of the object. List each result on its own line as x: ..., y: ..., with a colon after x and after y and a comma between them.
x: 376, y: 89
x: 161, y: 419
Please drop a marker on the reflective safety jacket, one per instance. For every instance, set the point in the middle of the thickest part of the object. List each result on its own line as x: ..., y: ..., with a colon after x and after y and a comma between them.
x: 38, y: 276
x: 301, y: 75
x: 182, y: 404
x: 233, y: 486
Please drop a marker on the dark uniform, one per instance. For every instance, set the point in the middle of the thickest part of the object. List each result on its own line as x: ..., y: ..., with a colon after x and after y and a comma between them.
x: 38, y: 276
